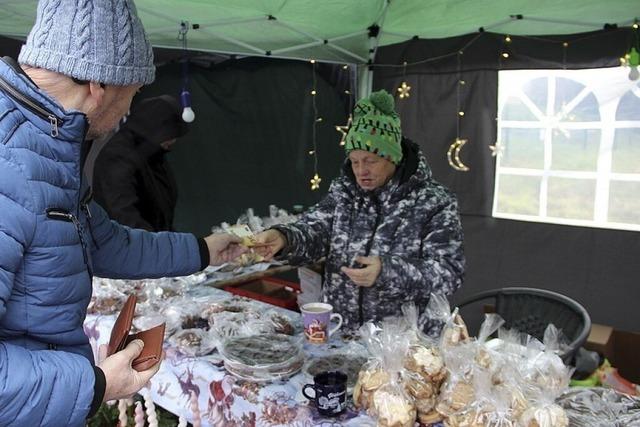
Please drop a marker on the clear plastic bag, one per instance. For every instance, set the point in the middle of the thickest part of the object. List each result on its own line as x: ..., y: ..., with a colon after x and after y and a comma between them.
x: 192, y: 342
x: 442, y: 322
x: 600, y: 407
x: 380, y: 388
x: 261, y: 358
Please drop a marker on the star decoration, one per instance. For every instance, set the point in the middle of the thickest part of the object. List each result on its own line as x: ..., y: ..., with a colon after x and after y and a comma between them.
x: 496, y: 149
x: 315, y: 182
x: 343, y: 130
x: 403, y: 90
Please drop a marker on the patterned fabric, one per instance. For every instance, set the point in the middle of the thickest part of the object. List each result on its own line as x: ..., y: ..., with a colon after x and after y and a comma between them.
x: 411, y: 223
x: 376, y: 127
x: 49, y: 248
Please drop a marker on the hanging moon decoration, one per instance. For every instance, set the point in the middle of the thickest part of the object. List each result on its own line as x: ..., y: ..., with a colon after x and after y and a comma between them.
x: 453, y: 155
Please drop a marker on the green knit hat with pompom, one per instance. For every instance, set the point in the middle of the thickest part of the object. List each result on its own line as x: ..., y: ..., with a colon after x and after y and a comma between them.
x: 376, y: 127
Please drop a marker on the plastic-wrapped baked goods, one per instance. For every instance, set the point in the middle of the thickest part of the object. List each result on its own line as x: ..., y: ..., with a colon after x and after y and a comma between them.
x: 280, y: 322
x: 393, y: 409
x: 264, y: 357
x: 544, y: 416
x: 427, y: 362
x: 369, y: 380
x: 192, y: 342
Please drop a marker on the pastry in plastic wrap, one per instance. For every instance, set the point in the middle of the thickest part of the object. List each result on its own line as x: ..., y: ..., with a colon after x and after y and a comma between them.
x: 426, y: 362
x: 418, y: 388
x: 392, y: 409
x: 192, y: 342
x: 195, y: 322
x: 281, y: 323
x: 455, y: 397
x: 369, y: 380
x: 544, y: 416
x: 455, y: 332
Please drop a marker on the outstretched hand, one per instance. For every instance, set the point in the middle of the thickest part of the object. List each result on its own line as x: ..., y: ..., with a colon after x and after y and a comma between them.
x: 223, y: 248
x: 269, y: 243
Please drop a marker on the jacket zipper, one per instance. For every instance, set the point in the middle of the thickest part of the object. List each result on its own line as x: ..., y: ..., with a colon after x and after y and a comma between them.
x: 369, y: 245
x: 63, y: 215
x: 33, y: 106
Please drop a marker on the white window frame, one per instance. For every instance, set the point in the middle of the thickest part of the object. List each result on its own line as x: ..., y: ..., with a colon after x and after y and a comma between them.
x: 548, y: 123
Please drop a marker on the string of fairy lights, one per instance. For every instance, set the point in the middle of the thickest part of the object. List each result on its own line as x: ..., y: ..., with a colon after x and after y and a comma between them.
x: 631, y: 59
x: 316, y: 179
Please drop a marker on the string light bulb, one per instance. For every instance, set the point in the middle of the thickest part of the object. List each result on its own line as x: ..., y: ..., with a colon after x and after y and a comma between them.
x: 507, y: 39
x: 188, y: 115
x: 403, y: 90
x: 315, y: 182
x: 187, y: 112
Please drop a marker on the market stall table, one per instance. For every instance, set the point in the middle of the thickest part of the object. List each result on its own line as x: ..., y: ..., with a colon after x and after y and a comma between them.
x: 223, y: 399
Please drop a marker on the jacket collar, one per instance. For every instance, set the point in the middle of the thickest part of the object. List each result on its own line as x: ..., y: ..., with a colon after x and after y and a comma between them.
x: 70, y: 125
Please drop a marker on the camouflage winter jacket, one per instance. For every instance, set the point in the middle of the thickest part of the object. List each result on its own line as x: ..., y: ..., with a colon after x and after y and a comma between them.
x: 411, y: 223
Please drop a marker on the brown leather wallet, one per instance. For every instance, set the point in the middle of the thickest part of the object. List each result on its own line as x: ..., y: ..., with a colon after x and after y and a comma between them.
x: 120, y: 338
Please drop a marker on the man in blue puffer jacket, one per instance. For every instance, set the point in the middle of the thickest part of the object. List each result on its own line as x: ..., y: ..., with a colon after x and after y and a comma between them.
x: 79, y: 69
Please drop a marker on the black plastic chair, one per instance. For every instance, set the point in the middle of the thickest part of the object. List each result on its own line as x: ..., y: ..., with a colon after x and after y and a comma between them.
x: 531, y: 310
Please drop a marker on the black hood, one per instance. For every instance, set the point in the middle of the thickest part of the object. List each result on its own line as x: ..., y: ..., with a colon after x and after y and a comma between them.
x: 156, y: 120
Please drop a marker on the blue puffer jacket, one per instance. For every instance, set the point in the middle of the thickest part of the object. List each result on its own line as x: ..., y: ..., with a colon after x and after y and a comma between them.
x: 49, y: 247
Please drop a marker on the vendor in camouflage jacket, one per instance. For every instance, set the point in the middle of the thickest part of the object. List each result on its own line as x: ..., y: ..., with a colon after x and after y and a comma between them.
x: 389, y: 232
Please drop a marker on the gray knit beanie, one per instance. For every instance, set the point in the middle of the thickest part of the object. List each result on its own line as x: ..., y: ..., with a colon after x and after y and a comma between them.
x: 95, y: 40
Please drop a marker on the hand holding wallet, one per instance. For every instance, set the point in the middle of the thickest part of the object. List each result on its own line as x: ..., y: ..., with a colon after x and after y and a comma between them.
x: 152, y: 338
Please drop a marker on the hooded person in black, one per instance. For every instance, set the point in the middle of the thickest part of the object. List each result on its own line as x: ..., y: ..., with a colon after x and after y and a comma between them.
x: 132, y: 180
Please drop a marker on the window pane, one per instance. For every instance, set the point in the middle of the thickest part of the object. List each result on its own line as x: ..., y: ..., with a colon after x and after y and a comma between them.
x: 519, y: 194
x: 515, y: 109
x: 629, y: 107
x: 536, y: 90
x: 624, y: 202
x: 571, y: 198
x: 626, y: 151
x: 570, y: 147
x: 523, y: 148
x: 575, y: 150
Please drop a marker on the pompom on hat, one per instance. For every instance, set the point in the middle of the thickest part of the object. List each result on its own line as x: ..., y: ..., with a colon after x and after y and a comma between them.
x: 376, y: 127
x: 101, y: 41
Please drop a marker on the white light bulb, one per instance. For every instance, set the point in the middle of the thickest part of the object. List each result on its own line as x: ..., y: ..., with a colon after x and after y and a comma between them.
x: 188, y: 115
x: 634, y: 74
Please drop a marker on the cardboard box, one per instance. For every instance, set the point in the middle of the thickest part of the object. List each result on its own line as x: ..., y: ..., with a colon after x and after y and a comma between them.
x: 270, y: 290
x: 620, y: 347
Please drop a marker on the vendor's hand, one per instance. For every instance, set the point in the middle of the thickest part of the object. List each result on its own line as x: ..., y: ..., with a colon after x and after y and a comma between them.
x: 269, y: 243
x: 122, y: 380
x: 367, y: 275
x: 223, y: 248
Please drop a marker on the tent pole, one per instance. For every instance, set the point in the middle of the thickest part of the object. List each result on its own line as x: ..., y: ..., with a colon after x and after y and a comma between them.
x: 365, y: 73
x: 365, y: 81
